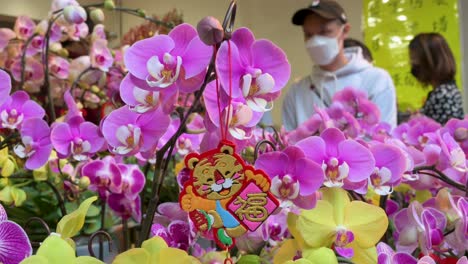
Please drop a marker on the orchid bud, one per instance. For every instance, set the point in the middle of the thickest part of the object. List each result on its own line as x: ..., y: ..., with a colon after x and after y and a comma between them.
x: 55, y: 47
x: 109, y: 5
x: 95, y: 89
x: 3, y: 182
x: 210, y: 31
x: 63, y: 53
x: 97, y: 16
x: 141, y: 12
x: 461, y: 134
x: 74, y: 14
x: 84, y: 182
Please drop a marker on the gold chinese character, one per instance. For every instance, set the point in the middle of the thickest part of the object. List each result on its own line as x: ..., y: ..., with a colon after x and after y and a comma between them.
x: 253, y: 208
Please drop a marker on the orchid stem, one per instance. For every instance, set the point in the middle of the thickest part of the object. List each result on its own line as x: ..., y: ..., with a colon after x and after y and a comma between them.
x: 23, y: 60
x: 60, y: 201
x: 439, y: 175
x: 103, y: 217
x: 46, y: 69
x: 126, y: 240
x: 77, y: 80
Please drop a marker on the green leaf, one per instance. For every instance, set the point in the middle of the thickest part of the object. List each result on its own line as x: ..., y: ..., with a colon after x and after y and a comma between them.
x: 249, y: 259
x: 72, y: 223
x: 93, y: 211
x: 56, y: 250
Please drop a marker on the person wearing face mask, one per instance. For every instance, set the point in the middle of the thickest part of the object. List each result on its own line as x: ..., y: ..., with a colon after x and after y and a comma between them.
x: 433, y: 64
x: 325, y: 27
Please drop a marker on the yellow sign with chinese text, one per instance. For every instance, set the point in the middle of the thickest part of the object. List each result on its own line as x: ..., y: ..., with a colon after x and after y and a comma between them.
x: 389, y: 26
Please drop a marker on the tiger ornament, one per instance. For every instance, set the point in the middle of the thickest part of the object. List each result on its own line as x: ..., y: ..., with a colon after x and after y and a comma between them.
x: 224, y: 195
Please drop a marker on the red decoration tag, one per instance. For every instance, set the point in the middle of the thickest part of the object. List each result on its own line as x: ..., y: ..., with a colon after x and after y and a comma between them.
x: 224, y: 195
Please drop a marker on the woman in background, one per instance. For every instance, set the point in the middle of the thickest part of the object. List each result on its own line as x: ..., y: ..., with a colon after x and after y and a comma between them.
x: 433, y: 64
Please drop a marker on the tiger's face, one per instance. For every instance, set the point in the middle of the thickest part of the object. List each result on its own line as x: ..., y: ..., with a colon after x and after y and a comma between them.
x: 219, y: 177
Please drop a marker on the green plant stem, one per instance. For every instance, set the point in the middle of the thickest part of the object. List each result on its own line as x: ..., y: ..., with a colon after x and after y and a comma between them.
x: 23, y: 60
x: 60, y: 201
x: 159, y: 174
x: 19, y: 185
x: 46, y: 69
x: 126, y: 238
x: 344, y: 260
x: 6, y: 140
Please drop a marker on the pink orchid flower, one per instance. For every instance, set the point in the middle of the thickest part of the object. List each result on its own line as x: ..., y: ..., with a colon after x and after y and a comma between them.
x: 24, y: 27
x: 35, y: 143
x: 104, y: 175
x: 128, y: 132
x: 175, y: 61
x: 15, y: 242
x: 101, y: 56
x: 133, y: 180
x: 17, y: 109
x: 59, y: 67
x: 5, y: 86
x: 386, y: 255
x: 77, y: 31
x: 293, y: 177
x: 259, y: 69
x: 345, y: 162
x: 125, y: 207
x: 34, y: 72
x: 6, y: 35
x: 390, y: 165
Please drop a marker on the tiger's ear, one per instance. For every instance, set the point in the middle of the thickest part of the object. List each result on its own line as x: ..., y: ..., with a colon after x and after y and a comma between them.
x: 226, y: 149
x: 192, y: 162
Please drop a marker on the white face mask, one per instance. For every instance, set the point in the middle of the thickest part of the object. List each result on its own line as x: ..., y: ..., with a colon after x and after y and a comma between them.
x: 322, y: 50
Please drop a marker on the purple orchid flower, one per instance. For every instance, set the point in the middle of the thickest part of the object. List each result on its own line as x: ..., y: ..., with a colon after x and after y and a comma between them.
x: 175, y: 234
x: 259, y: 69
x: 293, y: 177
x: 36, y: 145
x: 386, y: 255
x: 175, y: 61
x: 344, y: 120
x: 77, y: 138
x: 356, y: 103
x: 418, y: 129
x: 390, y: 165
x: 36, y: 46
x: 140, y: 98
x: 17, y: 109
x: 345, y: 162
x: 5, y: 86
x: 416, y: 225
x: 104, y: 176
x: 459, y: 238
x: 133, y: 180
x: 458, y: 129
x: 128, y: 132
x: 15, y: 242
x: 125, y: 207
x: 275, y: 228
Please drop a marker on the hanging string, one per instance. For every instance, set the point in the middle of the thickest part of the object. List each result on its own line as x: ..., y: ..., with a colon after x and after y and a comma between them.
x: 218, y: 97
x: 224, y: 123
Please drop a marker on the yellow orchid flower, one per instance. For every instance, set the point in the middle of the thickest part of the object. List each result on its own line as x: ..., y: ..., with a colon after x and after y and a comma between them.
x: 7, y: 163
x: 155, y: 251
x: 351, y: 228
x: 316, y: 256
